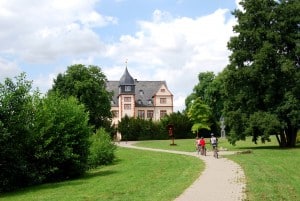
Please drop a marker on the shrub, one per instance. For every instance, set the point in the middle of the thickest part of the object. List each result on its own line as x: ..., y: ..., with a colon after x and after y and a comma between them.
x: 101, y: 149
x: 61, y: 132
x: 16, y: 117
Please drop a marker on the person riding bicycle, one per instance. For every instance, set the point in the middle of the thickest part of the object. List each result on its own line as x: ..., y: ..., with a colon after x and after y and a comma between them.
x: 202, y: 145
x: 213, y: 141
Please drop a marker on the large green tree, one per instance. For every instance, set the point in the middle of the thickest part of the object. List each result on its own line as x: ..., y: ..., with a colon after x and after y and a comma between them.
x: 210, y: 90
x: 262, y: 81
x: 200, y: 114
x: 88, y: 85
x: 16, y: 123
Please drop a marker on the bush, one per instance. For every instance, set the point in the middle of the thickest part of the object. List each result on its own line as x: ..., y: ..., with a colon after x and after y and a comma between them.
x: 182, y: 125
x: 101, y: 149
x: 16, y: 120
x: 61, y: 134
x: 140, y: 129
x: 41, y: 139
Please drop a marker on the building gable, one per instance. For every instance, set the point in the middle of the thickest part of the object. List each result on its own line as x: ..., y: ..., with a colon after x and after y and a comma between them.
x: 148, y: 99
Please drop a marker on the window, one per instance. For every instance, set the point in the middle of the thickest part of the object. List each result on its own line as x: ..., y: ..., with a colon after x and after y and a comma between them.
x: 127, y: 106
x: 115, y: 113
x: 149, y: 114
x: 127, y: 88
x: 163, y: 100
x: 141, y: 114
x: 141, y: 92
x: 162, y: 90
x: 127, y: 99
x: 149, y: 102
x: 140, y: 102
x: 163, y: 113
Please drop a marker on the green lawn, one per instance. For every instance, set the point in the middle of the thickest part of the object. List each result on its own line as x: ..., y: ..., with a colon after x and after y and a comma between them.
x: 136, y: 175
x: 271, y: 173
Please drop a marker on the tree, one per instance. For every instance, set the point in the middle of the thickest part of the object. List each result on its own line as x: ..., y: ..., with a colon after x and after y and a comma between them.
x: 210, y: 90
x: 262, y: 81
x: 182, y: 124
x: 87, y: 84
x: 61, y: 138
x: 200, y: 114
x: 16, y: 122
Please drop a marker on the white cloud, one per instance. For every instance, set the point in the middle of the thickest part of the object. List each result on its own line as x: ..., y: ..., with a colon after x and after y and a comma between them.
x: 168, y: 48
x: 44, y: 82
x: 8, y: 69
x: 176, y: 50
x: 39, y: 31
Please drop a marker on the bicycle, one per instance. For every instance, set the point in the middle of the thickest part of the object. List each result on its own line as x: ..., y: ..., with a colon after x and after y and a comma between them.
x: 215, y: 150
x: 203, y: 150
x: 198, y: 148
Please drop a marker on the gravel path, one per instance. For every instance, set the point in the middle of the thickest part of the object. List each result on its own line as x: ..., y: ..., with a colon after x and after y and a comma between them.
x: 221, y: 180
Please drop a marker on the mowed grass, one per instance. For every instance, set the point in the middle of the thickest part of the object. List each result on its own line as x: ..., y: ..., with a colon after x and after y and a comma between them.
x: 136, y: 175
x: 271, y: 173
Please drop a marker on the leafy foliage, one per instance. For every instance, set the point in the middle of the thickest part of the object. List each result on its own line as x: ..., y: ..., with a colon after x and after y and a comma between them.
x: 200, y: 114
x: 16, y: 122
x: 41, y: 139
x: 262, y: 79
x: 61, y: 135
x: 87, y: 84
x: 140, y: 129
x: 182, y: 125
x: 210, y: 91
x: 101, y: 149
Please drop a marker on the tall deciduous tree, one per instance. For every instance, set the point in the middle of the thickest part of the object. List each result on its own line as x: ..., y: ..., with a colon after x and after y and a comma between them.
x: 200, y: 114
x: 16, y: 122
x: 262, y: 81
x: 87, y: 84
x: 210, y: 90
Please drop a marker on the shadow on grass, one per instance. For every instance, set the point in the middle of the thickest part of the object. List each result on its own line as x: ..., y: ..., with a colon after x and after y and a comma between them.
x: 262, y: 147
x: 55, y: 185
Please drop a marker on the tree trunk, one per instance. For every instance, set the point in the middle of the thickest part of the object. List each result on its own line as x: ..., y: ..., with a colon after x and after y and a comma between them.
x: 287, y: 137
x: 292, y: 136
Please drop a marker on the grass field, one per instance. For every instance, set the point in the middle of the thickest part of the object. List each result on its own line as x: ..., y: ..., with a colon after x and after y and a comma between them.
x: 271, y: 174
x: 137, y: 175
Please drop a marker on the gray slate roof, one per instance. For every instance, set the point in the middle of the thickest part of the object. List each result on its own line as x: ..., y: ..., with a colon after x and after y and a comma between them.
x: 144, y: 91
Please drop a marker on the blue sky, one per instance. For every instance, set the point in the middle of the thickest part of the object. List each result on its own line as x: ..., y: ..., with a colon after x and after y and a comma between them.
x: 171, y: 40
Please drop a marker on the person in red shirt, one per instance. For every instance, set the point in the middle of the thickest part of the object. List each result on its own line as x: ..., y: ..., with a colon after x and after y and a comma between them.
x: 202, y: 144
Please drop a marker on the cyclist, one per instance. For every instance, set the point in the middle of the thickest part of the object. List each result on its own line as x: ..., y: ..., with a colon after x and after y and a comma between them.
x: 202, y: 146
x: 214, y: 143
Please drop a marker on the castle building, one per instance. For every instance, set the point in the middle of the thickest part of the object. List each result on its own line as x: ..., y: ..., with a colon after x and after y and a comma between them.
x: 139, y: 99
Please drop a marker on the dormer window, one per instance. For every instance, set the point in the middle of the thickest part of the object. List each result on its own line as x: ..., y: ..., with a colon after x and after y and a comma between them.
x: 139, y: 101
x: 141, y: 92
x: 149, y: 102
x: 127, y: 88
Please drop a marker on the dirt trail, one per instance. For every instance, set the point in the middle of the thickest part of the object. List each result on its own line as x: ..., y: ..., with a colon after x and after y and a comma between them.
x: 221, y: 180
